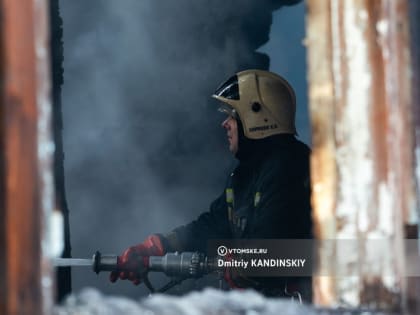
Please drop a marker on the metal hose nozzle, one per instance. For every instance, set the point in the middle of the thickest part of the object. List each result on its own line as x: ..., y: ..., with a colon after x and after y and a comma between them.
x: 104, y: 262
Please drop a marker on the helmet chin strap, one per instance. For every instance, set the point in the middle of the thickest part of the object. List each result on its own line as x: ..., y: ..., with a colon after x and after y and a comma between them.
x: 245, y: 145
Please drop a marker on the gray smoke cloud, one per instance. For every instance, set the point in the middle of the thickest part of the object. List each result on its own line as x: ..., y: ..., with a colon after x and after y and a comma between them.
x: 144, y: 151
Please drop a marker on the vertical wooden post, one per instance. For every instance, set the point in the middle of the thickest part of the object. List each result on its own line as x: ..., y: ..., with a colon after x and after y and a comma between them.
x: 414, y: 9
x: 362, y: 162
x: 323, y: 163
x: 415, y: 49
x: 26, y: 185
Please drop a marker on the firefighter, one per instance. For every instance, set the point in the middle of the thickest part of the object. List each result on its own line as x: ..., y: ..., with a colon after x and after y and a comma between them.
x: 267, y: 196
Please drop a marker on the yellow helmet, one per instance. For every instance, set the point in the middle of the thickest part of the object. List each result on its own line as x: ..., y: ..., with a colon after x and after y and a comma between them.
x: 264, y: 102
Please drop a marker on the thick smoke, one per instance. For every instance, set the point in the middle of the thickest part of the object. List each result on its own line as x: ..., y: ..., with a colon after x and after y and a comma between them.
x: 144, y: 148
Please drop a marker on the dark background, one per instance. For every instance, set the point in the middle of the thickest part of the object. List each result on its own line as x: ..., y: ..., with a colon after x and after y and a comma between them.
x: 144, y: 151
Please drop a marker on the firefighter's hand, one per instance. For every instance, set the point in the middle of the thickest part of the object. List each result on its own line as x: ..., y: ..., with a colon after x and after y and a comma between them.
x: 134, y: 261
x: 230, y: 274
x: 234, y: 276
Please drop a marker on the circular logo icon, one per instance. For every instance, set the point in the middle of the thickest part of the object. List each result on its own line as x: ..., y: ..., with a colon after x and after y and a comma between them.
x: 222, y: 250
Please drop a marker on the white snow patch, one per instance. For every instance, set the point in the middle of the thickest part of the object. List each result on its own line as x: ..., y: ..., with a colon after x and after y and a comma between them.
x: 56, y: 234
x: 210, y: 302
x: 363, y: 15
x: 336, y: 51
x: 354, y: 160
x: 386, y: 204
x: 382, y: 27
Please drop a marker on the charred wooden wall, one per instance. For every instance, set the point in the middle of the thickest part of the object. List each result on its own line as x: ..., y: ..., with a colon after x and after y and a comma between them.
x: 26, y: 158
x: 361, y: 103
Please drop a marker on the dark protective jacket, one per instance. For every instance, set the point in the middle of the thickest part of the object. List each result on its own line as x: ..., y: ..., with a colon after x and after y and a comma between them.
x: 266, y: 197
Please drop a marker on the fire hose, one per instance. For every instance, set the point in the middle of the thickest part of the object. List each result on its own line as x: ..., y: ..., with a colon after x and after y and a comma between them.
x: 177, y: 266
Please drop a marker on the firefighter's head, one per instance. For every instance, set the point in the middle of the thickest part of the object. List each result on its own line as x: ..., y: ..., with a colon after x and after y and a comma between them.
x: 260, y: 104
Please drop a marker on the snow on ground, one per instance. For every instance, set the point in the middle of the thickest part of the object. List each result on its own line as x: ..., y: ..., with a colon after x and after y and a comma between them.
x: 208, y: 302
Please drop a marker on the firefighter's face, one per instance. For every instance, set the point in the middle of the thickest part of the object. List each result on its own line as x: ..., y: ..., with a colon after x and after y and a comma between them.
x: 231, y: 126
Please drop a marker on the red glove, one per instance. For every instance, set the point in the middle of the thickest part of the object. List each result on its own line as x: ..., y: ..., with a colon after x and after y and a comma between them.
x: 134, y: 261
x: 230, y: 274
x: 235, y: 276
